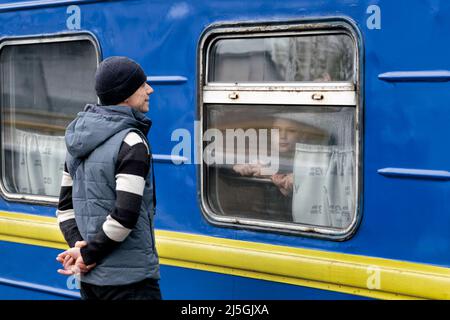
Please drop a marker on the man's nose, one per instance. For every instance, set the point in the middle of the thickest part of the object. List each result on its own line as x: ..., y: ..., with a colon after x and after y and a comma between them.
x: 149, y: 89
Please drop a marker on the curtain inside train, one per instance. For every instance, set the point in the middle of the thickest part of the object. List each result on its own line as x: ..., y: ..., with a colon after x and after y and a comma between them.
x: 324, y: 175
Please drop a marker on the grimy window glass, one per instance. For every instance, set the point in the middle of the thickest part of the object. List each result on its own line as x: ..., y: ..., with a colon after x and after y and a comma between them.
x: 314, y: 181
x: 43, y: 86
x: 306, y: 58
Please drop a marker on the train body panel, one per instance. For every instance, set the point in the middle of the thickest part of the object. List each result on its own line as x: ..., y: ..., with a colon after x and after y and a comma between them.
x: 403, y: 91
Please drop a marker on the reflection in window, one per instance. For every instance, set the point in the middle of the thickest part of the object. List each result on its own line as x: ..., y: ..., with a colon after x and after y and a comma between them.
x: 314, y: 183
x: 273, y: 59
x: 43, y: 86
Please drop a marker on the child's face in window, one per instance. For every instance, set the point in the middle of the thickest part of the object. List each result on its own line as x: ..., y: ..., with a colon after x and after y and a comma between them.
x: 289, y: 134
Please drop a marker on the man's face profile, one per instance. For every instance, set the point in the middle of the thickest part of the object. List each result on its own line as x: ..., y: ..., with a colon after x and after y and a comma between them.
x: 139, y: 100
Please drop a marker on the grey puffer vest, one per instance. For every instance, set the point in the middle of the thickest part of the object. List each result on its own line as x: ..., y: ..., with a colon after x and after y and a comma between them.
x: 93, y: 141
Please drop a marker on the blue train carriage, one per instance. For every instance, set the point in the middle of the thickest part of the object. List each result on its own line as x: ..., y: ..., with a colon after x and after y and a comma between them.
x: 357, y: 205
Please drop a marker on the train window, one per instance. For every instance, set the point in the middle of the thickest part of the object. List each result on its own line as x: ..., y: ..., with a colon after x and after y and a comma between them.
x: 274, y: 59
x: 44, y: 84
x: 280, y: 135
x: 315, y: 149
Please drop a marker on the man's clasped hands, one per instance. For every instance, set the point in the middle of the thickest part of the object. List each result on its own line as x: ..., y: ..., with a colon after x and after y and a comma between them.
x: 72, y: 261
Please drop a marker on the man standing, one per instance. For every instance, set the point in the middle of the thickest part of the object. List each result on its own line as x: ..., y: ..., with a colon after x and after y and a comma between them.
x: 107, y: 199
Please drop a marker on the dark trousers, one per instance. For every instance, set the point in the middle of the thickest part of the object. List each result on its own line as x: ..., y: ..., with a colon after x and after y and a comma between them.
x: 147, y: 289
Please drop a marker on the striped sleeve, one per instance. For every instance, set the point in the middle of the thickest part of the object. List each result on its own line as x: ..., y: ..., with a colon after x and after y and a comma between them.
x: 132, y: 167
x: 65, y: 213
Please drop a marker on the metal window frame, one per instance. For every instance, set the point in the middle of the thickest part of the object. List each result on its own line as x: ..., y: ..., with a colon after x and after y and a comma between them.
x: 351, y: 93
x: 40, y: 39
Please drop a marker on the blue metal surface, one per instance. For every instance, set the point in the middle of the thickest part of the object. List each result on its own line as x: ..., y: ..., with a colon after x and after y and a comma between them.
x: 30, y: 272
x: 416, y: 76
x: 39, y: 289
x: 24, y: 5
x: 178, y: 283
x: 405, y: 123
x: 155, y: 80
x: 415, y: 173
x: 22, y: 279
x: 168, y: 158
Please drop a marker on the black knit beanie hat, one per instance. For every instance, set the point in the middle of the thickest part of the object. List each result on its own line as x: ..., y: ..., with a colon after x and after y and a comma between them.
x: 117, y: 78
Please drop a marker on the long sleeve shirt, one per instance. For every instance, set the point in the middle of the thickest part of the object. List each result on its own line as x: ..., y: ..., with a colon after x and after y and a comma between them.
x: 132, y: 167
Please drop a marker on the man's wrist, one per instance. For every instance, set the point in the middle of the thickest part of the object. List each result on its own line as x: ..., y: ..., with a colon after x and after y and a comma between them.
x: 87, y: 255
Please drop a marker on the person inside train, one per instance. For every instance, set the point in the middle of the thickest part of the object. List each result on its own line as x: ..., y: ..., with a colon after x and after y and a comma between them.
x: 289, y: 135
x: 290, y: 132
x: 278, y: 189
x: 294, y: 129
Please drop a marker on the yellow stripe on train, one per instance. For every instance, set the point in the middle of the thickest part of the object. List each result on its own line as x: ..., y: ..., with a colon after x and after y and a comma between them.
x: 352, y: 274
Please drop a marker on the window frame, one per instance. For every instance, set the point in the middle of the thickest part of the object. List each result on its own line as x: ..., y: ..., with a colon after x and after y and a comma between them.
x: 215, y: 93
x: 41, y: 39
